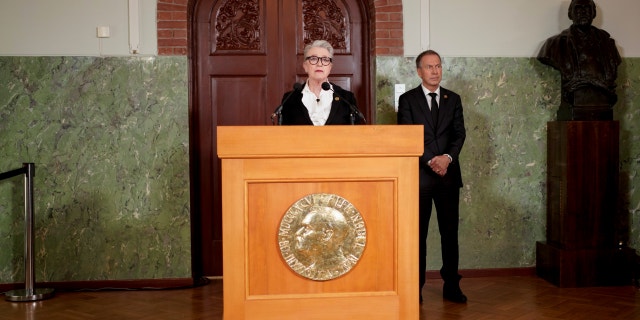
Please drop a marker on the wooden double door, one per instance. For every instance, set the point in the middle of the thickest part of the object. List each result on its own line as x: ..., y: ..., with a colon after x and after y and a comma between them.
x: 244, y: 55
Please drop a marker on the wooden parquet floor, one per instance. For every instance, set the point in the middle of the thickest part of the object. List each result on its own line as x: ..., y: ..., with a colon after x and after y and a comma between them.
x: 494, y: 298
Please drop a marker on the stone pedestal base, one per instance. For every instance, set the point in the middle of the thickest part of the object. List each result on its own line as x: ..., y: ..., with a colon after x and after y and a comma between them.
x: 587, y: 104
x: 584, y: 113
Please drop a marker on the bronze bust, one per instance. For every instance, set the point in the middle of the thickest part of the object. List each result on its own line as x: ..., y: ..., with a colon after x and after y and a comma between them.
x: 588, y: 59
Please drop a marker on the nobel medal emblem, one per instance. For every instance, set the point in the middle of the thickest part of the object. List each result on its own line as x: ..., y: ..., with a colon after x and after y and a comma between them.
x: 322, y: 236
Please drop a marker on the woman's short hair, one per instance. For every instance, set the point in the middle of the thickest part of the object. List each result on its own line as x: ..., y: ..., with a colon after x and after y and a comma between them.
x: 319, y: 44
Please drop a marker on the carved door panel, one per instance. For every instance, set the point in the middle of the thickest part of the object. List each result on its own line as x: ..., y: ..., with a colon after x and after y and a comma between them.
x: 245, y: 55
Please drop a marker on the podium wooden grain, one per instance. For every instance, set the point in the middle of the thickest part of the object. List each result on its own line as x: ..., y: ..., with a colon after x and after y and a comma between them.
x: 265, y: 169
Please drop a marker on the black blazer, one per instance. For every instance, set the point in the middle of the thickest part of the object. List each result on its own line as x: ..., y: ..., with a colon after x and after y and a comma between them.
x: 414, y: 109
x: 295, y: 113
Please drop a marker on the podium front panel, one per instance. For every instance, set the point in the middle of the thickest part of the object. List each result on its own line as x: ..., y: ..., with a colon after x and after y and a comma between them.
x: 257, y: 192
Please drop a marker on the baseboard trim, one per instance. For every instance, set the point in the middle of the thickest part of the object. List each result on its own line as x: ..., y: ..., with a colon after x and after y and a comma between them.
x: 141, y: 284
x: 181, y: 283
x: 498, y: 272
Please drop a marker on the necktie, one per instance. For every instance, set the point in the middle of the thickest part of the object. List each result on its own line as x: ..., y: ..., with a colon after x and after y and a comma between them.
x: 434, y: 108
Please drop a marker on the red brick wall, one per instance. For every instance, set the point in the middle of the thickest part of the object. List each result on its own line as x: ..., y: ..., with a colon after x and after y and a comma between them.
x: 385, y: 15
x: 172, y: 27
x: 387, y: 23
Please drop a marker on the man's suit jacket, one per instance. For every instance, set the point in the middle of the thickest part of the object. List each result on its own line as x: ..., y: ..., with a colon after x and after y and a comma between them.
x: 295, y: 113
x: 413, y: 108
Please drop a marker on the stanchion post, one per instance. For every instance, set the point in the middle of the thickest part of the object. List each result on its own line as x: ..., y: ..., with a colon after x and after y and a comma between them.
x: 29, y: 293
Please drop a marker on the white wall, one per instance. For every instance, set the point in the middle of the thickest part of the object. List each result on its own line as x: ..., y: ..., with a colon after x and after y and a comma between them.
x: 68, y: 27
x: 507, y: 28
x: 483, y: 28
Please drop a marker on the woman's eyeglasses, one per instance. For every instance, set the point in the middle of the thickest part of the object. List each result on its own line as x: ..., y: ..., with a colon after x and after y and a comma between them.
x: 314, y: 60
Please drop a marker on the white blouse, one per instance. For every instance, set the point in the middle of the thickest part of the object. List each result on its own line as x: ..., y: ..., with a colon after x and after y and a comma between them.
x: 318, y: 107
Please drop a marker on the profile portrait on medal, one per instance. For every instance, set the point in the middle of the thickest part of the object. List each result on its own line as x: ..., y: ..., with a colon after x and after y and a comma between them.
x: 322, y: 236
x: 319, y: 240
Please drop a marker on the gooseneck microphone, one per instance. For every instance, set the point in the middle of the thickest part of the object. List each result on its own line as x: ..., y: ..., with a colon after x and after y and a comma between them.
x: 278, y: 112
x: 354, y: 110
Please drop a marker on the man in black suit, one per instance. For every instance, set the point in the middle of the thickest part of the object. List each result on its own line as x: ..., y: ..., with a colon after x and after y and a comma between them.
x: 440, y: 112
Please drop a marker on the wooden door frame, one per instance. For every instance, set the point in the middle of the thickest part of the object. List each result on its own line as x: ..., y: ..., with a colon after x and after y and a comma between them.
x: 197, y: 219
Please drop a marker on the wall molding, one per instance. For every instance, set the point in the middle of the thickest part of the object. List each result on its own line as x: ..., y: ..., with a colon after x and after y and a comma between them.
x: 112, y: 285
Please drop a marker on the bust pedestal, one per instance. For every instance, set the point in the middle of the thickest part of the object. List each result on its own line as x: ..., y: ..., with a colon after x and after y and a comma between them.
x: 582, y: 206
x: 586, y: 104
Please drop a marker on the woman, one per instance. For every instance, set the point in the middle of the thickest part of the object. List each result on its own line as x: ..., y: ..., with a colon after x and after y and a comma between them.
x: 314, y: 105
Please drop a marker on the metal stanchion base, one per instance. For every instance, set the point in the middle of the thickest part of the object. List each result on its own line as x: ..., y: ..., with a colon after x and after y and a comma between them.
x: 23, y: 295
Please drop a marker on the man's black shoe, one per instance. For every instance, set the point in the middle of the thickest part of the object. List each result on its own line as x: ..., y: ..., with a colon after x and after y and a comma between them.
x: 454, y: 294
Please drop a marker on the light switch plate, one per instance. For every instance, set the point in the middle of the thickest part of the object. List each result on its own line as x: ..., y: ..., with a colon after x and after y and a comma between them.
x: 400, y: 89
x: 104, y: 32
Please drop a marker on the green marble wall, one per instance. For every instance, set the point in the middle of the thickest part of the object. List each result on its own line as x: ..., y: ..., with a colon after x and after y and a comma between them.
x: 109, y: 137
x: 507, y: 103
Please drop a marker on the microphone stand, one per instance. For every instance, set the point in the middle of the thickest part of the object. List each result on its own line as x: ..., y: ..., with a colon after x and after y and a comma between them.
x: 278, y: 112
x: 354, y: 110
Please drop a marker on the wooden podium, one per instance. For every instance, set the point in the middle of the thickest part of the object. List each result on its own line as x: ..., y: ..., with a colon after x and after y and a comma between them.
x: 266, y: 169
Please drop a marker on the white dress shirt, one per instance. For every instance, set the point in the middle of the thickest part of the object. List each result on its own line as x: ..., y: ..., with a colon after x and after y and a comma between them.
x: 318, y: 107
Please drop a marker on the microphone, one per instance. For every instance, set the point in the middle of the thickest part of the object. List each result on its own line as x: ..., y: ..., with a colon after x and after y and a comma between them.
x: 354, y: 110
x: 278, y: 112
